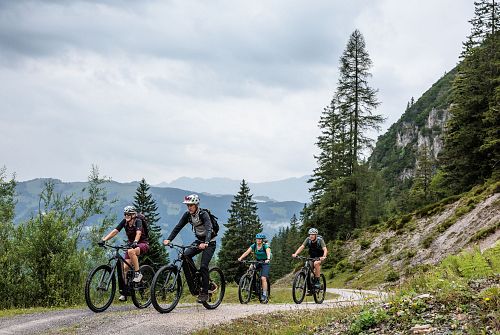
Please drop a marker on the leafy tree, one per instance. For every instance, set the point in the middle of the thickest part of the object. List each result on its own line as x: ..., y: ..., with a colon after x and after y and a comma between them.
x: 144, y: 203
x: 50, y: 255
x: 242, y: 225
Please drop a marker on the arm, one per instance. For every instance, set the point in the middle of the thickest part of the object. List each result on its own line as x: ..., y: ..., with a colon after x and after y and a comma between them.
x: 138, y: 232
x: 268, y: 253
x: 110, y: 235
x: 325, y: 253
x: 245, y: 254
x: 182, y: 222
x: 299, y: 250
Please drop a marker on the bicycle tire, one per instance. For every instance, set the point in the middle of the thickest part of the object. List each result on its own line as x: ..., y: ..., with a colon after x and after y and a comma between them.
x: 163, y: 284
x: 217, y: 288
x: 299, y: 287
x: 141, y: 292
x: 245, y: 289
x: 319, y: 295
x: 91, y: 297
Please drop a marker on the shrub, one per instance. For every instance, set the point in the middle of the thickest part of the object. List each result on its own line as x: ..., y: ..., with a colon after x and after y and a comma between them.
x: 365, y: 244
x: 392, y: 276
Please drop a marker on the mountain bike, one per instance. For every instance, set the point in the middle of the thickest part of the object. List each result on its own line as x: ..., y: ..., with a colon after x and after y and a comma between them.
x: 166, y: 289
x: 304, y: 281
x: 250, y: 283
x: 100, y: 286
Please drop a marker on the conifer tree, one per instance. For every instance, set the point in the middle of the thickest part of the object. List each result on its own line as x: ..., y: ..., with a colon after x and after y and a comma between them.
x: 485, y: 24
x: 145, y: 204
x: 242, y: 225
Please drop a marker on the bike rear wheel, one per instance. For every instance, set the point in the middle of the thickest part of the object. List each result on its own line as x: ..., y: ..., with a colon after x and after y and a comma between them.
x: 245, y: 289
x: 299, y: 287
x: 165, y: 289
x: 141, y: 292
x: 319, y: 294
x: 216, y: 288
x: 100, y: 288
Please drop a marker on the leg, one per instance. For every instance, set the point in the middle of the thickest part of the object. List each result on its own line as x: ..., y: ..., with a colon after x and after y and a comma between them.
x: 264, y: 275
x: 132, y: 254
x: 317, y: 269
x: 206, y: 256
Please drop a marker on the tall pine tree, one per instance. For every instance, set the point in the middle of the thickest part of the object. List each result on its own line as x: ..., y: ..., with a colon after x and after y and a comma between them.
x: 145, y: 204
x: 242, y: 225
x: 336, y: 203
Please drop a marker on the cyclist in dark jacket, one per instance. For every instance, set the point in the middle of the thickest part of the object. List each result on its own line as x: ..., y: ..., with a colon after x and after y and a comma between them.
x: 317, y: 249
x: 137, y: 239
x: 202, y: 227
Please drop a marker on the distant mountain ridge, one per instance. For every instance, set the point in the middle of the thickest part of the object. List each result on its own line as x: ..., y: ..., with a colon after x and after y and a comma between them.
x: 290, y: 189
x: 273, y: 214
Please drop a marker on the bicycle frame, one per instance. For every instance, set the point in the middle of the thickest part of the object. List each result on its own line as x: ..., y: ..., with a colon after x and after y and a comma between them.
x: 116, y: 263
x: 255, y: 274
x: 192, y: 275
x: 308, y: 269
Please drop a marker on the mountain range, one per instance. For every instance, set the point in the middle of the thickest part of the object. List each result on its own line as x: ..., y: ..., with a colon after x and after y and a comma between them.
x: 290, y: 189
x: 273, y: 214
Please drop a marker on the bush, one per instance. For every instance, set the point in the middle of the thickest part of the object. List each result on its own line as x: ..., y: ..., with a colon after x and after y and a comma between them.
x: 392, y: 276
x: 367, y: 319
x: 364, y: 244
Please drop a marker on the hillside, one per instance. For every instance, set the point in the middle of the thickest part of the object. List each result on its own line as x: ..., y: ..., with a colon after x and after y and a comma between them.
x: 273, y: 214
x: 396, y: 151
x: 402, y: 246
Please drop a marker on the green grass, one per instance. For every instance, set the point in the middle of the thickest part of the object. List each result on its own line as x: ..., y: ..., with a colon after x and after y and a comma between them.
x: 22, y: 311
x: 282, y: 323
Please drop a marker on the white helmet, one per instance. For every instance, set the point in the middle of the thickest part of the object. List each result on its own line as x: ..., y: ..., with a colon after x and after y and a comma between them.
x: 192, y: 199
x: 313, y: 231
x: 129, y: 210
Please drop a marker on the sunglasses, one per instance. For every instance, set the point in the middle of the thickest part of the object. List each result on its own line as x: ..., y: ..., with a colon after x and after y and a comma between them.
x: 127, y: 214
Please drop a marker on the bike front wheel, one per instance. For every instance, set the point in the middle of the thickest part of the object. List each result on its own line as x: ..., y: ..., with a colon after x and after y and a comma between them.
x: 299, y: 287
x: 216, y: 288
x: 245, y: 289
x: 141, y: 292
x: 166, y: 289
x: 100, y: 288
x: 319, y: 294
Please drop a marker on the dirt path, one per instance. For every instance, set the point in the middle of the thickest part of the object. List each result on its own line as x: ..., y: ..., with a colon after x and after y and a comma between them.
x: 183, y: 320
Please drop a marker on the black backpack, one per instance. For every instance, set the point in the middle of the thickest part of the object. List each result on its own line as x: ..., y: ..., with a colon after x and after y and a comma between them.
x: 213, y: 219
x: 145, y: 224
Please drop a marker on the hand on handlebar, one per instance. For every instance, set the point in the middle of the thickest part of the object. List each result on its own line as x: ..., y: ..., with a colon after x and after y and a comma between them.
x: 101, y: 243
x: 166, y: 242
x: 133, y: 245
x: 294, y: 255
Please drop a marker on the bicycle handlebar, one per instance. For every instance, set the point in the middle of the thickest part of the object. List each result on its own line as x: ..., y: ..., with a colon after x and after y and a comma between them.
x: 183, y: 247
x: 308, y: 258
x: 253, y: 262
x: 117, y: 247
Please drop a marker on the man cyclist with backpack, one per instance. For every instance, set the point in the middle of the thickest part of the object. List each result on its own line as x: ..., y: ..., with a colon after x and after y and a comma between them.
x: 204, y: 232
x: 137, y: 238
x: 317, y: 249
x: 262, y: 252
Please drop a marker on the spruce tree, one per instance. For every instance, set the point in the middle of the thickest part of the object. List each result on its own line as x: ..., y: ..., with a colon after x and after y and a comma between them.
x: 471, y: 152
x: 242, y: 225
x: 145, y: 204
x: 485, y: 24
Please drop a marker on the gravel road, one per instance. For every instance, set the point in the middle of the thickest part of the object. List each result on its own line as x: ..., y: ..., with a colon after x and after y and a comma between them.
x: 126, y: 319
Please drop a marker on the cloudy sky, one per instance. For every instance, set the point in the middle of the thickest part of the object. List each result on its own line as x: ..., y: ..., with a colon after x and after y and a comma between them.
x: 164, y: 89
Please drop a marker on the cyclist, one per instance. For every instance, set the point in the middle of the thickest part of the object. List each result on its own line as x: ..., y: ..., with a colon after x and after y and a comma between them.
x: 317, y: 249
x: 262, y: 252
x: 137, y: 239
x: 202, y: 227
